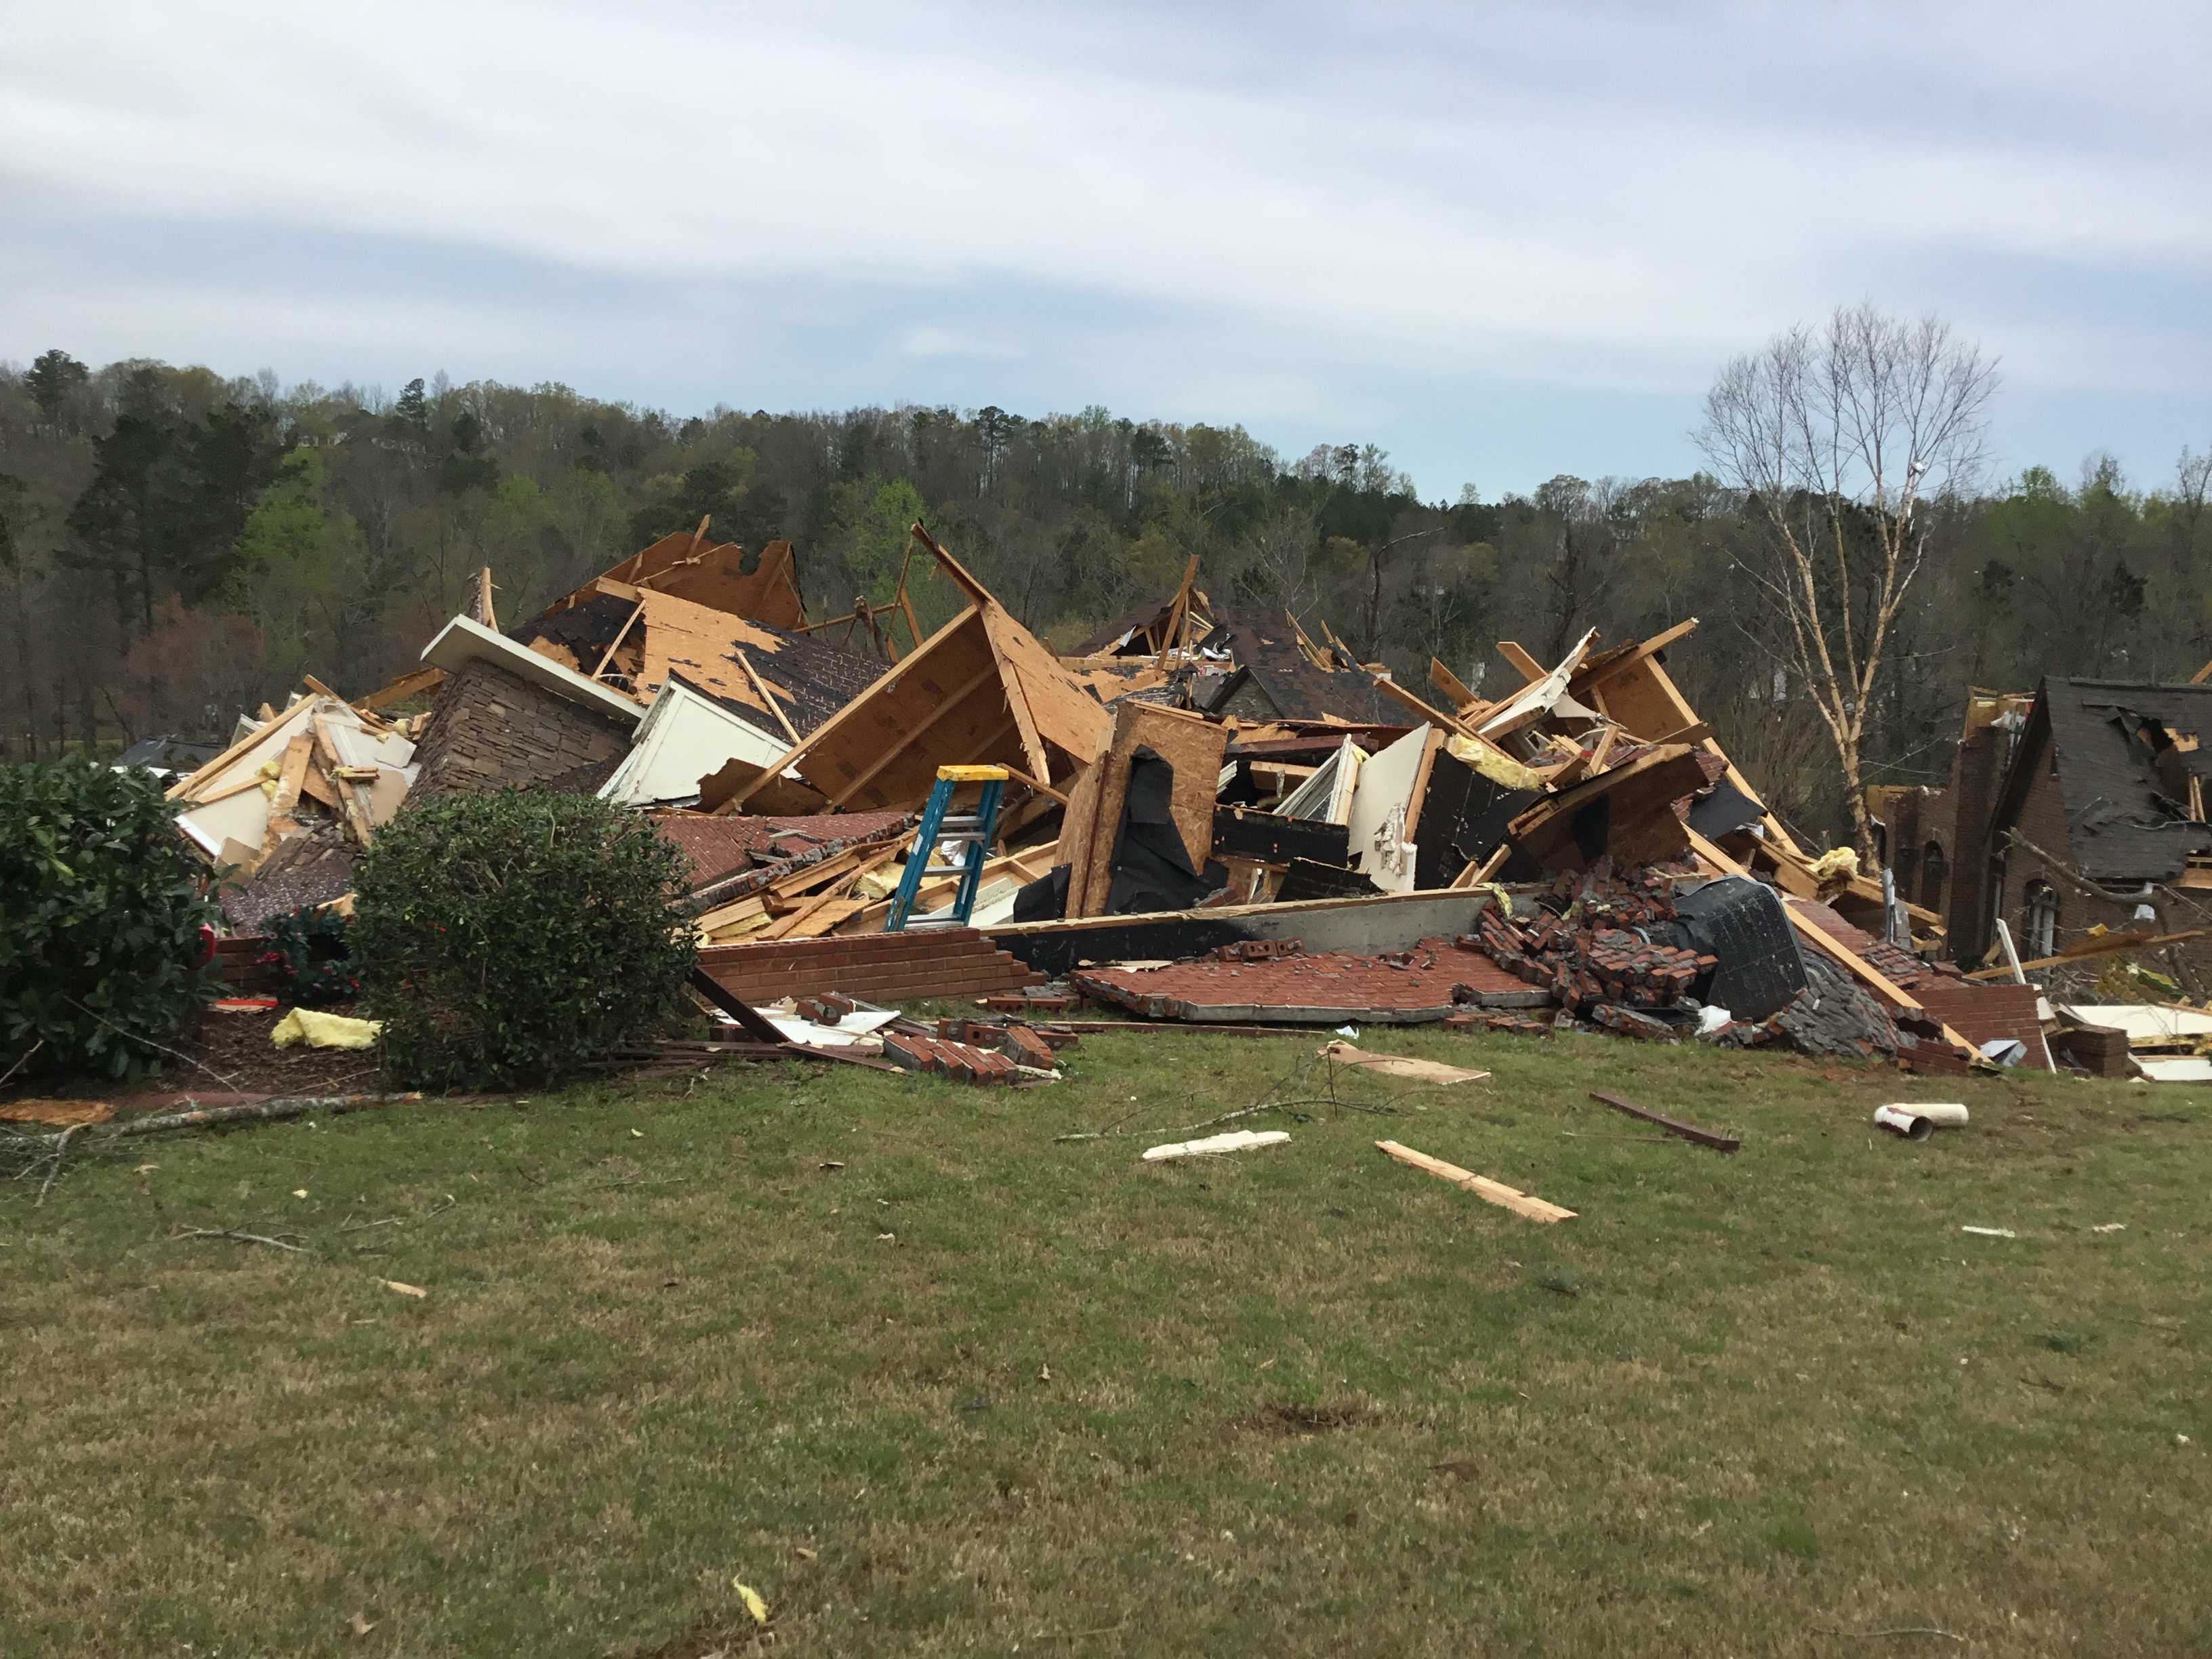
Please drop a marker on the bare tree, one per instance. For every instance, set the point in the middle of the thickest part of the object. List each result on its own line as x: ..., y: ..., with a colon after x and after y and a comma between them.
x: 1836, y: 438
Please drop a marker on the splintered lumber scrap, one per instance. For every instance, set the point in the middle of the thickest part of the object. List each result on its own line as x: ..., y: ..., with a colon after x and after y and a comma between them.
x: 1495, y: 1192
x: 351, y: 797
x: 749, y: 1019
x: 250, y: 750
x: 1405, y: 1066
x: 740, y: 918
x: 1023, y: 866
x: 2093, y: 945
x: 1719, y: 1143
x: 1236, y: 1141
x: 291, y: 777
x: 407, y: 685
x: 369, y: 721
x: 1530, y: 670
x: 810, y: 918
x: 1449, y: 683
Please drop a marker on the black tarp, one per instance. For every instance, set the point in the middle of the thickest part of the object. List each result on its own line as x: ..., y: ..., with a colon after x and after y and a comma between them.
x: 1152, y: 867
x: 1742, y: 924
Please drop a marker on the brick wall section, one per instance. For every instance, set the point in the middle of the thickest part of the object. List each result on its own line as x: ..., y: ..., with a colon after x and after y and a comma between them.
x: 243, y: 974
x: 1956, y: 819
x: 874, y: 967
x: 489, y: 729
x: 1978, y: 775
x: 1981, y: 1013
x: 2042, y: 821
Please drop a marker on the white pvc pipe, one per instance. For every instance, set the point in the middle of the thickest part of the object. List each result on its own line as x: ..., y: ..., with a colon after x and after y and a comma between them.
x: 1901, y: 1121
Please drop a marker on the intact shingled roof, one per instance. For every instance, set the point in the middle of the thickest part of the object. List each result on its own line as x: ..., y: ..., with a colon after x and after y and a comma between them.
x: 2123, y: 825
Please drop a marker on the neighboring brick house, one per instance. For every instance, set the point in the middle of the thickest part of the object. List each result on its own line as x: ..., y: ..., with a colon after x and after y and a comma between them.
x: 2101, y: 818
x: 1937, y: 841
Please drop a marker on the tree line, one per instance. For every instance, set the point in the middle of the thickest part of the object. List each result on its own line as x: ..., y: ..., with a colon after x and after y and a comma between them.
x: 176, y: 546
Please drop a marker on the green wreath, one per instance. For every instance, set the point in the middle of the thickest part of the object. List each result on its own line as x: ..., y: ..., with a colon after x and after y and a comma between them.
x: 308, y: 949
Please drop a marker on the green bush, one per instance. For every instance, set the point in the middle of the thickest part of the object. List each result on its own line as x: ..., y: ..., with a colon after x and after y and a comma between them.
x: 101, y: 907
x: 504, y: 938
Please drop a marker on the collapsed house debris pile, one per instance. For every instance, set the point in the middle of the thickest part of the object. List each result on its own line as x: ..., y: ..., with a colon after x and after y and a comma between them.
x: 1207, y: 817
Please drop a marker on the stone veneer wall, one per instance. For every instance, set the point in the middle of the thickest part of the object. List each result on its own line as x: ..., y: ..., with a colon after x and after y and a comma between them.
x: 490, y: 729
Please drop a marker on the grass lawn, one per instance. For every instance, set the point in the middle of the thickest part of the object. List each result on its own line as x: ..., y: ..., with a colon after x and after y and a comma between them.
x: 933, y: 1382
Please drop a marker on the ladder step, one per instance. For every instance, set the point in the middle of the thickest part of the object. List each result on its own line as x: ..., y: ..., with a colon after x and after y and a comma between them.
x: 915, y: 924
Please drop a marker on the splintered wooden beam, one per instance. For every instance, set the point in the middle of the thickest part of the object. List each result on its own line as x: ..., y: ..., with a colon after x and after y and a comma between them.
x: 1450, y: 685
x: 421, y: 679
x: 760, y: 690
x: 1719, y: 1143
x: 1494, y: 1192
x: 1531, y: 669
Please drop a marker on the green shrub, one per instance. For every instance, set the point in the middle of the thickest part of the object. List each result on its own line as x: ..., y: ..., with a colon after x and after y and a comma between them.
x: 308, y: 949
x: 504, y: 938
x: 101, y: 907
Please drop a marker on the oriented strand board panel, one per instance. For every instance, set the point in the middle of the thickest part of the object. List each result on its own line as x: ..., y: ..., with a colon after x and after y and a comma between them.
x: 944, y: 705
x: 1379, y: 824
x: 1627, y: 812
x: 1060, y: 710
x: 1193, y: 746
x: 712, y: 575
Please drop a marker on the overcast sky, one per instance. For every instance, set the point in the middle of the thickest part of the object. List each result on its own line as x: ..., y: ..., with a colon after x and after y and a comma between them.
x: 1502, y: 241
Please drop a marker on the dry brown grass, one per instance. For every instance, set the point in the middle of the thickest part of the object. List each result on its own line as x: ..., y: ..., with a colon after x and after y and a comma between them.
x: 1302, y: 1400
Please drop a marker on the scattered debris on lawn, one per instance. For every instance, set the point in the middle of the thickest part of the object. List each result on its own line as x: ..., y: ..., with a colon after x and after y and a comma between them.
x: 1210, y: 821
x: 237, y: 1236
x: 1235, y: 1140
x: 1719, y: 1143
x: 1494, y: 1192
x: 1405, y: 1066
x: 57, y: 1113
x: 324, y: 1030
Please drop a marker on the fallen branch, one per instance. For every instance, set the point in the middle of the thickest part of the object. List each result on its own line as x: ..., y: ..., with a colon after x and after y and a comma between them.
x: 61, y: 1150
x: 242, y: 1238
x: 265, y: 1111
x: 22, y: 1063
x: 1901, y: 1630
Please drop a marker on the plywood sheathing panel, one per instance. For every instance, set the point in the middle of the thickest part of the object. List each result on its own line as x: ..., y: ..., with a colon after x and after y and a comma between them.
x: 1641, y: 825
x: 1058, y: 710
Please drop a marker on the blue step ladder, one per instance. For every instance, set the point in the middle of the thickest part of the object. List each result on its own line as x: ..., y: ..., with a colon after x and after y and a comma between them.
x: 970, y: 832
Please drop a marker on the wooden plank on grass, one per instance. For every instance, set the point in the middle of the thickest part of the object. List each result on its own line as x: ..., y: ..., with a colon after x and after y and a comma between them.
x: 1719, y: 1143
x: 1495, y: 1192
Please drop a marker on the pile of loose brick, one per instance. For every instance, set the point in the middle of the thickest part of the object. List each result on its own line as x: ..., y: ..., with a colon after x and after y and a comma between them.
x: 957, y: 1051
x: 1586, y: 956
